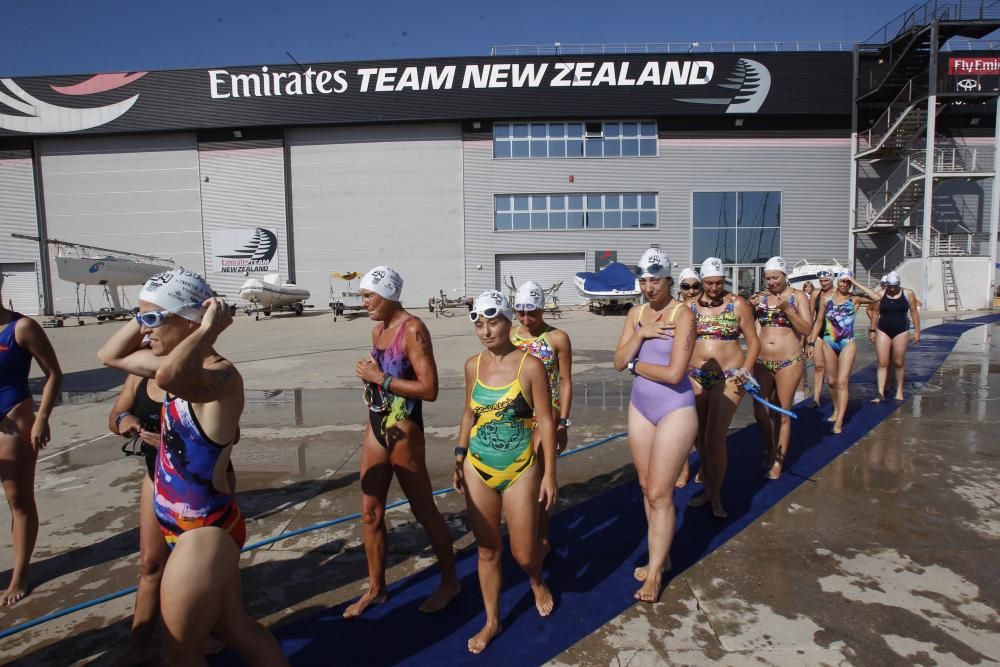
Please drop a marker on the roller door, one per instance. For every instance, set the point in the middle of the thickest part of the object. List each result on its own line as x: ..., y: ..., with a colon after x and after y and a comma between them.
x: 545, y: 269
x: 20, y: 288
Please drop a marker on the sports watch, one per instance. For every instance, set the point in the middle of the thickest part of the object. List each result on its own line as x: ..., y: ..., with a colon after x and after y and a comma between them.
x: 564, y: 422
x: 631, y: 366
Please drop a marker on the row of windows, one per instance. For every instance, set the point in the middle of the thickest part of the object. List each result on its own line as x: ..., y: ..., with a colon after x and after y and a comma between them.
x: 576, y: 139
x: 737, y: 227
x: 630, y: 210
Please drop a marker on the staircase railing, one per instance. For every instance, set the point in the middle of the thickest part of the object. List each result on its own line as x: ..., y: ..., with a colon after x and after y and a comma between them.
x: 915, y: 89
x: 972, y: 244
x: 890, y: 260
x: 878, y: 199
x: 920, y: 15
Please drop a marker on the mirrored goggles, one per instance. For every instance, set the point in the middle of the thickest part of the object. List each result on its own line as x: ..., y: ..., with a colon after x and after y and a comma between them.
x: 690, y: 286
x: 376, y: 399
x: 154, y: 318
x: 488, y: 313
x: 824, y: 274
x: 653, y: 269
x: 524, y: 307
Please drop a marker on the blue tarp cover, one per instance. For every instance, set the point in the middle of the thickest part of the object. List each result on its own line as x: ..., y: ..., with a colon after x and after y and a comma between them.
x: 614, y: 276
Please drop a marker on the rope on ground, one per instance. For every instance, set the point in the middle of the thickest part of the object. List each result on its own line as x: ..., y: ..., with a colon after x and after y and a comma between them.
x: 59, y: 613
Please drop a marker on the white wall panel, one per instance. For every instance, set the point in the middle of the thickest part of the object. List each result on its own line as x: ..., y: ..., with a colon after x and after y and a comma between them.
x: 18, y: 216
x: 132, y: 193
x: 363, y: 196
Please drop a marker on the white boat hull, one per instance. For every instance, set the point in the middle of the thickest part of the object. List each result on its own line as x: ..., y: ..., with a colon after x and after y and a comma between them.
x: 612, y: 296
x: 114, y: 272
x: 268, y: 292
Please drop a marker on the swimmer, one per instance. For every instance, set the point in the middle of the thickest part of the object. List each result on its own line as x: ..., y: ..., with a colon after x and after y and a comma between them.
x: 552, y: 346
x: 23, y: 432
x: 893, y: 313
x: 815, y: 344
x: 688, y: 292
x: 495, y: 463
x: 136, y: 415
x: 835, y: 323
x: 656, y: 346
x: 399, y: 374
x: 784, y: 319
x: 719, y: 367
x: 200, y: 589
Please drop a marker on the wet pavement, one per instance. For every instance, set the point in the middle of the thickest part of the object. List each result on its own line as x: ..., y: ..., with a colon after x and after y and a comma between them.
x: 878, y: 559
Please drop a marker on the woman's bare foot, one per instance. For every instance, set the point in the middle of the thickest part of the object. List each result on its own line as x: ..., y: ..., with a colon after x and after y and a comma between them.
x: 543, y: 599
x: 698, y: 479
x: 878, y: 398
x: 650, y: 591
x: 640, y: 573
x: 16, y: 592
x: 545, y: 547
x: 444, y: 594
x: 718, y: 511
x: 483, y: 638
x: 372, y: 597
x: 899, y: 395
x: 831, y: 419
x: 837, y: 428
x: 774, y: 472
x: 682, y: 478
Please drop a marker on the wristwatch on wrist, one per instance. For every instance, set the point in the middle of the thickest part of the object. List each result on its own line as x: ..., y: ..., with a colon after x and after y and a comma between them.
x: 564, y: 422
x: 460, y: 451
x: 631, y: 366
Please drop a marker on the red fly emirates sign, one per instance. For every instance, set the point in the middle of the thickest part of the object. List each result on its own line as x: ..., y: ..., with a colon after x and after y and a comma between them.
x: 973, y: 66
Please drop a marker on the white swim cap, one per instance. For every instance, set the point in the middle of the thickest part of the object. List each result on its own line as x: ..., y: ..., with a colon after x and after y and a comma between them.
x: 530, y: 296
x: 846, y: 273
x: 654, y: 264
x: 776, y: 264
x: 384, y: 281
x: 180, y: 291
x: 892, y: 278
x: 690, y: 272
x: 712, y: 268
x: 490, y: 304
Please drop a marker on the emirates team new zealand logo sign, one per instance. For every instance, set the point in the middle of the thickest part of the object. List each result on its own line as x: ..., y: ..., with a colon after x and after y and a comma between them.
x: 244, y: 251
x: 21, y: 111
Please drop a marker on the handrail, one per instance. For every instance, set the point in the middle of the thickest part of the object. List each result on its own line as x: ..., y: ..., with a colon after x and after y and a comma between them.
x: 963, y: 244
x: 921, y: 15
x: 899, y: 107
x: 625, y: 48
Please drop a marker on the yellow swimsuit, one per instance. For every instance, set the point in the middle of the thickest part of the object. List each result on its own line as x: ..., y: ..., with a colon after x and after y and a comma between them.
x: 500, y: 444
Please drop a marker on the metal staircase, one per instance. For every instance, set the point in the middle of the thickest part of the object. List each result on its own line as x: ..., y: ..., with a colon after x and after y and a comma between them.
x: 900, y: 94
x: 952, y: 299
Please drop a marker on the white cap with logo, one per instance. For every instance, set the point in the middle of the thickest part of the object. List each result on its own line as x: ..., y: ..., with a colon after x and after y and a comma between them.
x: 654, y: 264
x: 179, y: 291
x: 892, y: 278
x: 530, y: 296
x: 491, y: 304
x: 712, y: 268
x: 776, y: 264
x: 384, y: 281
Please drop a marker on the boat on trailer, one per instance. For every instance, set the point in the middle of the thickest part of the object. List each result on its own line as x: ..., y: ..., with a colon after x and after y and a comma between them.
x: 267, y: 294
x: 612, y: 289
x: 805, y: 271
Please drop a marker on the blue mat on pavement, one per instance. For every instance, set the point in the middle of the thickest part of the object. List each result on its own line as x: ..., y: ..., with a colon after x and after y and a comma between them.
x: 597, y: 543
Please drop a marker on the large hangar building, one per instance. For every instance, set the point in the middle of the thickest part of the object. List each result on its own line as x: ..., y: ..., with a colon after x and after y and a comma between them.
x: 460, y: 172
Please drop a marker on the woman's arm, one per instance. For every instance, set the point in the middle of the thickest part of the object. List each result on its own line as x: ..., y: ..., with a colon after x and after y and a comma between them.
x: 564, y: 351
x: 798, y: 314
x: 538, y: 383
x: 629, y: 342
x: 418, y: 349
x: 183, y: 372
x: 123, y: 405
x: 914, y: 315
x: 749, y: 328
x: 123, y: 351
x: 818, y: 322
x: 870, y: 295
x: 465, y: 427
x: 680, y: 356
x: 31, y: 337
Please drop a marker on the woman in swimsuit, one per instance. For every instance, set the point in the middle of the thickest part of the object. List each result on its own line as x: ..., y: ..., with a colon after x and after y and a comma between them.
x: 23, y: 432
x: 552, y: 347
x: 688, y: 292
x: 399, y: 374
x: 835, y: 322
x: 872, y: 311
x: 136, y: 416
x: 892, y: 337
x: 655, y: 346
x: 719, y: 367
x: 201, y: 589
x: 495, y: 462
x: 814, y: 344
x: 785, y: 320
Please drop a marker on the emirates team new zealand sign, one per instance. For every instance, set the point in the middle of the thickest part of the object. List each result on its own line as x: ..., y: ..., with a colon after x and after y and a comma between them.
x: 454, y: 89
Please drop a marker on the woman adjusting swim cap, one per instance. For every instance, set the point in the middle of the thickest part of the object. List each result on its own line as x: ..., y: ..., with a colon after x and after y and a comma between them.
x: 384, y: 281
x: 178, y: 291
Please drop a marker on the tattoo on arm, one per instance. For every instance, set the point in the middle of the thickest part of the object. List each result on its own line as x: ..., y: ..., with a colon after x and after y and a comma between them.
x: 424, y: 341
x: 218, y: 383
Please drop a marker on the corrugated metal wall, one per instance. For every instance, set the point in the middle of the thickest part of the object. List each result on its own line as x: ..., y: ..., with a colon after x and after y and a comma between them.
x: 242, y: 187
x: 813, y: 176
x: 363, y: 196
x: 137, y: 194
x: 546, y: 269
x: 18, y: 216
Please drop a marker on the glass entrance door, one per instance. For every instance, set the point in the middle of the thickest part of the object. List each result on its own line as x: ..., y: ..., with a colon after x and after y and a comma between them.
x: 748, y: 280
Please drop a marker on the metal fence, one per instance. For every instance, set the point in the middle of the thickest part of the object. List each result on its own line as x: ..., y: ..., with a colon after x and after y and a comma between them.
x: 558, y: 48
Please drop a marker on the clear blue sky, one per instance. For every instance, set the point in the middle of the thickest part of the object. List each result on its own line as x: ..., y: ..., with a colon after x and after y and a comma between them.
x: 77, y: 36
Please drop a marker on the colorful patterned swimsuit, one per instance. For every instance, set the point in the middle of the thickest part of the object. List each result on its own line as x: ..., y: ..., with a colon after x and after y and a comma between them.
x: 839, y: 327
x: 541, y: 348
x: 722, y: 326
x: 776, y: 318
x: 386, y: 410
x: 184, y: 494
x: 500, y: 442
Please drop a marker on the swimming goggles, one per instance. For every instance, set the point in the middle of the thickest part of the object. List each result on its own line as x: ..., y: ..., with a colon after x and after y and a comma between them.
x: 690, y: 286
x: 488, y: 313
x: 824, y: 274
x: 154, y: 318
x: 653, y: 269
x: 376, y: 399
x: 525, y: 307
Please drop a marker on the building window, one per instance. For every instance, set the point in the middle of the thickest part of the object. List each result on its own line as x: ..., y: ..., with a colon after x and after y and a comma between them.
x: 622, y: 210
x: 632, y: 138
x: 737, y: 227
